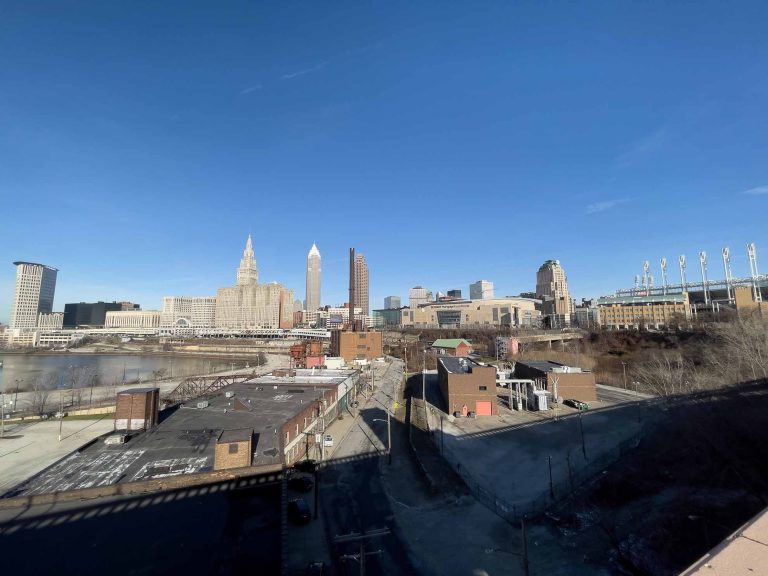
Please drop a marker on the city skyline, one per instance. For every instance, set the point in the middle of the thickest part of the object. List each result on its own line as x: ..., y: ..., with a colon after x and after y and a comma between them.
x: 141, y: 139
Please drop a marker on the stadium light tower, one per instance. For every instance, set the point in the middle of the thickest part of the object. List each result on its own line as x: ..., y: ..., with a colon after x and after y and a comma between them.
x: 664, y: 274
x: 728, y: 274
x: 752, y: 253
x: 703, y: 263
x: 681, y: 260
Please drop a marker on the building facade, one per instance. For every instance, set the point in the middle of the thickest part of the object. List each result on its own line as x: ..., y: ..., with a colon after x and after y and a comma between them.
x: 481, y: 290
x: 133, y: 319
x: 552, y: 289
x: 566, y: 382
x: 183, y: 315
x: 313, y: 278
x: 52, y: 321
x: 90, y: 314
x: 33, y: 294
x: 467, y: 387
x: 418, y: 296
x: 357, y: 345
x: 361, y: 284
x: 249, y: 305
x: 512, y: 312
x: 391, y: 302
x: 454, y: 294
x: 633, y: 312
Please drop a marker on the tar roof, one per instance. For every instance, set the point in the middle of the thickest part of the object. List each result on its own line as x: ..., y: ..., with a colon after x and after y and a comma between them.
x: 240, y: 435
x: 457, y: 365
x: 542, y: 365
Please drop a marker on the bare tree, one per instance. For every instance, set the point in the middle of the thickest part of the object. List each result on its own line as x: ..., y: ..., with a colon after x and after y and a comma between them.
x: 665, y: 374
x: 744, y: 347
x: 41, y: 388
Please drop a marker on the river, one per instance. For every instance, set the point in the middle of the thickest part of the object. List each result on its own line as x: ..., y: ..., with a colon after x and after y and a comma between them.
x: 107, y: 368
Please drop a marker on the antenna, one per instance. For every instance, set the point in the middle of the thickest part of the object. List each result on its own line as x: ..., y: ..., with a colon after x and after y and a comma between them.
x: 681, y: 260
x: 728, y: 274
x: 703, y: 263
x: 752, y: 253
x: 664, y: 274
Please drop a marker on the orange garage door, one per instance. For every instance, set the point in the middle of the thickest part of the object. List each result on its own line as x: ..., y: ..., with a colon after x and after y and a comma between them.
x: 483, y: 408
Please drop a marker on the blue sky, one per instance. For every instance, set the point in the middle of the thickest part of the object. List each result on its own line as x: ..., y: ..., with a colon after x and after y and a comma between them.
x: 140, y: 142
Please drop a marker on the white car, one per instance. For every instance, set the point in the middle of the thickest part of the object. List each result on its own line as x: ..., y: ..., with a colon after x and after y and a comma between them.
x: 328, y: 441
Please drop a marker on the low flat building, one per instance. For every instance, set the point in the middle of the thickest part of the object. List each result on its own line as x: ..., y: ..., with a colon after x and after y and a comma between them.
x: 233, y: 449
x: 132, y: 319
x: 567, y: 382
x: 467, y: 386
x: 452, y: 346
x: 656, y: 311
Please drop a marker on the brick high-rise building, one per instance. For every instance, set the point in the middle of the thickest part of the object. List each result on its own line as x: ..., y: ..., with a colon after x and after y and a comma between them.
x: 361, y: 284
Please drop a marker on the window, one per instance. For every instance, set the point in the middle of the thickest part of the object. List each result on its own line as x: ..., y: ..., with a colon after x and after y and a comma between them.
x: 483, y: 388
x: 233, y: 448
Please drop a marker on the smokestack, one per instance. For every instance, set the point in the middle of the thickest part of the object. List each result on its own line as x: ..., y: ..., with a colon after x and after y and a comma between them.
x: 352, y: 289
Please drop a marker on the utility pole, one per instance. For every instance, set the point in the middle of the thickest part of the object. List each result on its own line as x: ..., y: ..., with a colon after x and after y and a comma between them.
x: 526, y: 569
x: 624, y: 367
x: 361, y: 538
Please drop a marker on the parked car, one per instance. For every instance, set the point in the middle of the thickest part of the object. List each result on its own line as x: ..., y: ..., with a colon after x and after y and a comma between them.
x: 578, y: 404
x: 301, y: 483
x: 298, y: 511
x: 328, y: 441
x: 306, y: 465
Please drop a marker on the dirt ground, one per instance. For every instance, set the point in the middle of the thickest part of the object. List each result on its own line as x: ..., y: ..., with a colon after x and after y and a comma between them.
x: 698, y: 474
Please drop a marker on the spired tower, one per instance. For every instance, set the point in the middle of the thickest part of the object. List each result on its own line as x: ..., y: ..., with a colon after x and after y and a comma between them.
x: 247, y: 273
x: 313, y: 279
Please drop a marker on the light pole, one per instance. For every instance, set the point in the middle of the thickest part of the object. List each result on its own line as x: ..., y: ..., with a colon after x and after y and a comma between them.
x: 624, y: 368
x: 389, y: 435
x: 16, y: 392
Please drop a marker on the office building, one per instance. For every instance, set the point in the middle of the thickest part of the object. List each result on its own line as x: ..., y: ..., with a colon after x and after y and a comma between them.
x: 88, y: 314
x: 313, y: 278
x: 481, y: 290
x: 654, y: 311
x: 249, y: 305
x: 454, y: 294
x: 552, y: 290
x: 418, y: 296
x: 361, y: 284
x: 183, y: 315
x: 33, y: 294
x: 357, y: 345
x: 386, y: 317
x: 391, y: 302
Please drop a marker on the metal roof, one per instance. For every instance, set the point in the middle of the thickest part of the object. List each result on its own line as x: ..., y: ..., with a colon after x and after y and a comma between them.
x: 449, y: 342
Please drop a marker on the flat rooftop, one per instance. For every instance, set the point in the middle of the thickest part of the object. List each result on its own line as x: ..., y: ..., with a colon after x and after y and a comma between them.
x: 185, y: 440
x: 458, y: 364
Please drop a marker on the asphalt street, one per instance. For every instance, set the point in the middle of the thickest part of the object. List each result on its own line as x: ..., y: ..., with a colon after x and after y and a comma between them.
x: 352, y: 496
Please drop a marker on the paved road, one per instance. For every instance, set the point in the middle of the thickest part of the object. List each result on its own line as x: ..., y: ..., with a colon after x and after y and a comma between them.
x: 612, y: 395
x: 352, y: 496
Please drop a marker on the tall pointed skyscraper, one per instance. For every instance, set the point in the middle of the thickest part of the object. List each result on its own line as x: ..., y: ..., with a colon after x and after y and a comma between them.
x: 361, y: 284
x: 247, y: 273
x: 313, y: 279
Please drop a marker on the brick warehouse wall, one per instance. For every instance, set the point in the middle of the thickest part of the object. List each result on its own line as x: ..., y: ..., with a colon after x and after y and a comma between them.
x: 137, y: 410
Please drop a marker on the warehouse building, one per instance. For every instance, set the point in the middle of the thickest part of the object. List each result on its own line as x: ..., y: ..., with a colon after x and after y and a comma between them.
x: 467, y: 386
x: 567, y: 382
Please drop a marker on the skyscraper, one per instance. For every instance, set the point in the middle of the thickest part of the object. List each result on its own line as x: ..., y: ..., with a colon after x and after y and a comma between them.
x: 391, y: 302
x: 249, y: 305
x: 35, y: 286
x: 552, y: 288
x: 481, y: 290
x: 313, y: 278
x: 417, y: 296
x: 361, y: 284
x: 247, y: 273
